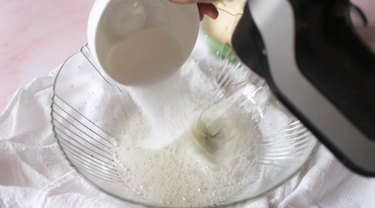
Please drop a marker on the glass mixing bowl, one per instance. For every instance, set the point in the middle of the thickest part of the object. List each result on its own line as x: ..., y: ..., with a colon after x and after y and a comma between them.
x: 90, y: 115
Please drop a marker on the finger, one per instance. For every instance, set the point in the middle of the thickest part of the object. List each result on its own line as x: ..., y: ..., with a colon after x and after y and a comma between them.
x: 208, y: 9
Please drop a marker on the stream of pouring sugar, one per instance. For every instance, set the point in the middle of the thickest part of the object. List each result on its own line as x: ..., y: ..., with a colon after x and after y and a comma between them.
x: 168, y: 107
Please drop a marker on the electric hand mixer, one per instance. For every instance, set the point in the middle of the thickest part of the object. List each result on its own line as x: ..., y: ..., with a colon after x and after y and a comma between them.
x: 316, y: 64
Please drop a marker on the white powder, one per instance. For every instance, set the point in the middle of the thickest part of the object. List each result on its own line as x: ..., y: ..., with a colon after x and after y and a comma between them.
x: 167, y: 108
x: 184, y: 150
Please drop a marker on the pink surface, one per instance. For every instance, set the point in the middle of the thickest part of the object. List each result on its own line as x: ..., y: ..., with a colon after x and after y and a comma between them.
x: 38, y: 35
x: 35, y: 37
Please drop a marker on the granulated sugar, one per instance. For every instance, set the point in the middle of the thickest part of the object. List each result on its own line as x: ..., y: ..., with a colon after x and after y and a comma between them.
x: 193, y: 142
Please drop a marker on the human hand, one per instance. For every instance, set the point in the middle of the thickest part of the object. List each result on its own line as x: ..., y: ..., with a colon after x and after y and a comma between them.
x: 206, y: 7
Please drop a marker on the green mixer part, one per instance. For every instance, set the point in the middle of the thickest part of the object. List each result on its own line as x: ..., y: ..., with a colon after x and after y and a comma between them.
x: 223, y: 50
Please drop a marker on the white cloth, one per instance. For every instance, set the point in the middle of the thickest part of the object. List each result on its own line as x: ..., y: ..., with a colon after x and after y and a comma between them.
x: 34, y: 173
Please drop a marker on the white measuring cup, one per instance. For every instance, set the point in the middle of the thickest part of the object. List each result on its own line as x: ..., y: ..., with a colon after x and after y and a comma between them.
x: 137, y: 42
